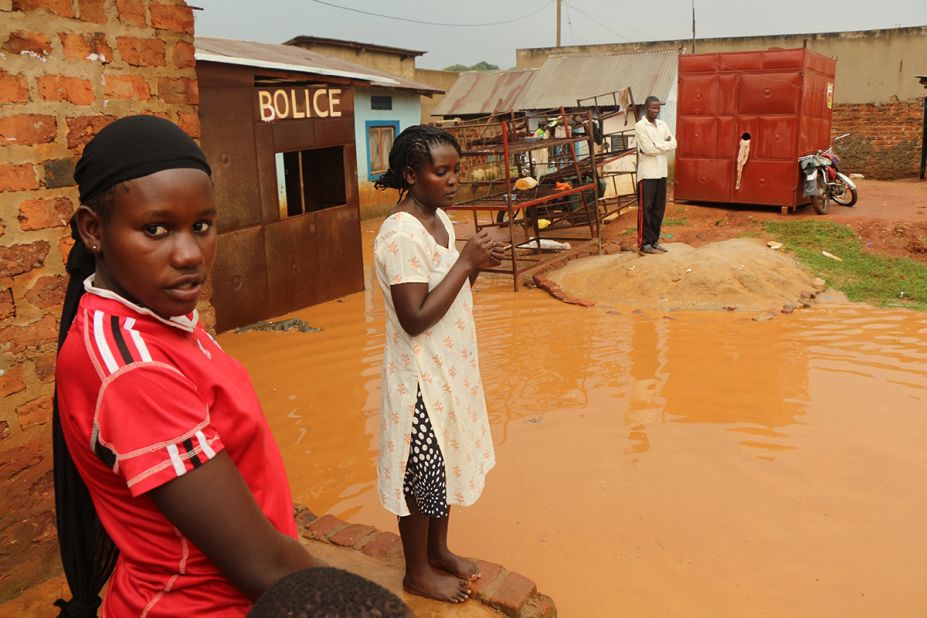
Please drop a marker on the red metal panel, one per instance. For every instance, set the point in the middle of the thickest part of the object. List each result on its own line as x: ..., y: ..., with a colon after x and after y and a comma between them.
x: 784, y: 59
x: 702, y: 136
x: 741, y: 61
x: 703, y: 179
x: 776, y: 138
x: 703, y: 63
x: 727, y: 93
x: 769, y: 93
x: 728, y: 138
x: 768, y: 182
x: 698, y: 95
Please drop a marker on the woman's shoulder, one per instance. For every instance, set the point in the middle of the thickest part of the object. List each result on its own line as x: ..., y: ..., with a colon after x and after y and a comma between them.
x: 400, y: 224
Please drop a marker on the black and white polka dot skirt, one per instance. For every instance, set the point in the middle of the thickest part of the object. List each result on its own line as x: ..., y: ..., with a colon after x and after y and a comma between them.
x: 425, y: 482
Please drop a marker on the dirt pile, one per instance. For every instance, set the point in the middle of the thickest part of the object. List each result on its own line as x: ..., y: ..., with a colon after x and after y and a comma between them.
x: 741, y: 272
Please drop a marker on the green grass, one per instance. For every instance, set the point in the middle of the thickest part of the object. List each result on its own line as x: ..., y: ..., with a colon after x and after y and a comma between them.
x: 863, y: 276
x: 675, y: 222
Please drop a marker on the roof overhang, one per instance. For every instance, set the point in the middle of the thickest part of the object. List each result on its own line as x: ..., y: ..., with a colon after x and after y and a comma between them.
x: 377, y: 80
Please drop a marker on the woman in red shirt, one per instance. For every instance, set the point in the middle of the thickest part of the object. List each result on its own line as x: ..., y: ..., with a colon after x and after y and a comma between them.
x: 166, y: 472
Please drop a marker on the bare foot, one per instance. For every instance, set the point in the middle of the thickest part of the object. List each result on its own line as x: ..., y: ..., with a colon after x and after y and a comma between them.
x: 437, y: 586
x: 463, y: 568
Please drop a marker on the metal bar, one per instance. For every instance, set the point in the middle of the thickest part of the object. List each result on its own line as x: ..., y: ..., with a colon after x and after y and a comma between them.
x: 520, y: 205
x: 508, y: 201
x: 924, y: 143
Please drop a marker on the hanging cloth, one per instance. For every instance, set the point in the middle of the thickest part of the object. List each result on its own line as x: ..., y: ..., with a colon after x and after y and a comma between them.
x: 742, y: 154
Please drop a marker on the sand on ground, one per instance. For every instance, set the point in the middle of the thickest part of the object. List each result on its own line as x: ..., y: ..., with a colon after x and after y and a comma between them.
x: 740, y: 272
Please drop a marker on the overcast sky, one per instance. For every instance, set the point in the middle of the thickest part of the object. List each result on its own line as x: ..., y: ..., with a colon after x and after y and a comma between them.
x: 583, y: 22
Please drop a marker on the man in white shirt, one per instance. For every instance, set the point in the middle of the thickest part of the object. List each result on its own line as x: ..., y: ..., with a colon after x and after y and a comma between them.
x: 654, y: 141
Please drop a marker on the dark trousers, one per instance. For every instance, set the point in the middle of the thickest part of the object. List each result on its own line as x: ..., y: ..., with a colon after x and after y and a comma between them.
x: 651, y: 206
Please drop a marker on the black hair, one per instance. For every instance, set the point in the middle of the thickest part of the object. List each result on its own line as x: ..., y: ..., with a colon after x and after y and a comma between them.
x: 651, y: 99
x: 327, y: 592
x: 88, y: 554
x: 411, y: 149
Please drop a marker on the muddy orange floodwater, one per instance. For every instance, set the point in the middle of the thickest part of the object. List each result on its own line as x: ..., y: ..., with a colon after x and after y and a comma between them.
x: 679, y: 464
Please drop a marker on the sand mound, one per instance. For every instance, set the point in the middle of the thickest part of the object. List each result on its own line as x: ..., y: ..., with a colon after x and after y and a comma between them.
x: 741, y: 272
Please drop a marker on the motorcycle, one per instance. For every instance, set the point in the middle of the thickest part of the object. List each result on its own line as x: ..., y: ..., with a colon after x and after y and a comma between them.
x: 824, y: 181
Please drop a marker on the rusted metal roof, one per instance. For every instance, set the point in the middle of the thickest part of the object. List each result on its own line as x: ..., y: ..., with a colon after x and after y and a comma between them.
x: 297, y: 59
x: 564, y: 79
x: 484, y: 92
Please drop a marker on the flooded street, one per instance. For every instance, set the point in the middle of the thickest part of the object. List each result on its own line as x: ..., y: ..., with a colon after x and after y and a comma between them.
x: 649, y: 464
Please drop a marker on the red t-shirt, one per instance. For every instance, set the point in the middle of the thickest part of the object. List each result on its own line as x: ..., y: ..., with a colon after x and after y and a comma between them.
x: 144, y: 400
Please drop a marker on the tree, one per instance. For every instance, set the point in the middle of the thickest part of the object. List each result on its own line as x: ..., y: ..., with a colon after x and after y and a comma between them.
x: 479, y: 66
x: 484, y: 66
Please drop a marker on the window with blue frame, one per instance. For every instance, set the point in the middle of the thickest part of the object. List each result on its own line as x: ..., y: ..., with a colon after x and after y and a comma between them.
x: 380, y: 136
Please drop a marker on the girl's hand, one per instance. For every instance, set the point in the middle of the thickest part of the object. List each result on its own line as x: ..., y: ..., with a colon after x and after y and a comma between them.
x: 478, y: 250
x: 496, y: 256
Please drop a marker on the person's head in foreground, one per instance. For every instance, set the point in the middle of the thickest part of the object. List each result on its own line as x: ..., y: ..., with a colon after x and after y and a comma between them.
x: 328, y: 593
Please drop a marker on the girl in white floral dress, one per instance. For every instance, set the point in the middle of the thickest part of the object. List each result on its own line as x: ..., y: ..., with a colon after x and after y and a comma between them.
x: 435, y: 444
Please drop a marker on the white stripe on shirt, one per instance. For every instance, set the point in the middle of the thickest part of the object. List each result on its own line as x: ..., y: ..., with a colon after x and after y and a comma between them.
x: 137, y: 338
x: 207, y: 450
x: 102, y: 345
x: 179, y: 468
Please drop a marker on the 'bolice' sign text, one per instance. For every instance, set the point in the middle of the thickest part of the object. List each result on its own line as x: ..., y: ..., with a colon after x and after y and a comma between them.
x: 298, y: 103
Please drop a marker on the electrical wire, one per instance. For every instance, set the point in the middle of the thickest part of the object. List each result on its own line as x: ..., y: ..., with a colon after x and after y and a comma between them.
x: 432, y: 23
x: 570, y: 23
x: 599, y: 20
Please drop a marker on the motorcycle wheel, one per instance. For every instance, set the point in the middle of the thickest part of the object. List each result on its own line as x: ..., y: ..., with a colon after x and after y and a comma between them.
x: 843, y: 194
x: 819, y: 201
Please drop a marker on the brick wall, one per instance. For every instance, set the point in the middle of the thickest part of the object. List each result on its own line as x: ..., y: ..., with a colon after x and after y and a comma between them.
x: 884, y: 141
x: 67, y: 68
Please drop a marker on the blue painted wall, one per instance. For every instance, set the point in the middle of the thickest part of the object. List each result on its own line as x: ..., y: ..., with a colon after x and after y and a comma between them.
x: 406, y: 112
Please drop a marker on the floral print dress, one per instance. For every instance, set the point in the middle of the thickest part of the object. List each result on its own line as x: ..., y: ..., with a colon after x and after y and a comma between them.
x: 442, y: 362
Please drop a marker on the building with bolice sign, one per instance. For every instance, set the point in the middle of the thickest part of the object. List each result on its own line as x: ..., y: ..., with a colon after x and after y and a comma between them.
x: 288, y: 135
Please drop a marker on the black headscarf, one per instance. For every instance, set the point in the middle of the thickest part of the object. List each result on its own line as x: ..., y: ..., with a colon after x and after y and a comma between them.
x: 126, y: 149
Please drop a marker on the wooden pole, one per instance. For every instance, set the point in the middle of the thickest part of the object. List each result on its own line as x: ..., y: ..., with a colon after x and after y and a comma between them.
x: 558, y: 22
x: 693, y: 26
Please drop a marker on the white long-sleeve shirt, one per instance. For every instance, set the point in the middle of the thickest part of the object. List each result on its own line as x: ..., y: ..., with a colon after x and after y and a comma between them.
x: 652, y: 148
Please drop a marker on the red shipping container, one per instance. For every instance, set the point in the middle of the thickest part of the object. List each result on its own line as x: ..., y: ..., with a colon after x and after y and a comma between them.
x: 782, y: 98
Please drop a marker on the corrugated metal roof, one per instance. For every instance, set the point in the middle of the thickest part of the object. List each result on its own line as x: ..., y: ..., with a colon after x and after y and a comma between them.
x: 304, y: 39
x: 297, y: 59
x: 484, y: 92
x: 564, y: 79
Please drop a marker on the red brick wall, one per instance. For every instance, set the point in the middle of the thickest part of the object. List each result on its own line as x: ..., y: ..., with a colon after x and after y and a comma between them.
x: 884, y: 141
x: 68, y: 68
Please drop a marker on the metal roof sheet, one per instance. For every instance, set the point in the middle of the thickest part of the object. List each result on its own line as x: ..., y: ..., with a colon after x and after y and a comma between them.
x: 297, y: 59
x: 484, y: 92
x: 564, y: 79
x: 304, y: 39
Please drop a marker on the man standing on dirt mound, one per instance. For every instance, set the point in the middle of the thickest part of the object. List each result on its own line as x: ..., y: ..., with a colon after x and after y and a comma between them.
x: 654, y: 141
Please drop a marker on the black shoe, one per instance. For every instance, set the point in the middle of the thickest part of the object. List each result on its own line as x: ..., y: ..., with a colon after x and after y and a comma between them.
x: 647, y: 249
x: 657, y: 246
